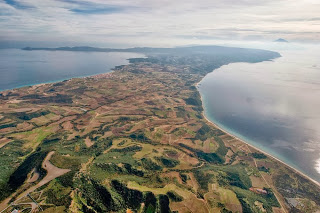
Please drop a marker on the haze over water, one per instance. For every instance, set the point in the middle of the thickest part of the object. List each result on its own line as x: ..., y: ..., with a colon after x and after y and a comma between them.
x: 20, y: 68
x: 274, y: 105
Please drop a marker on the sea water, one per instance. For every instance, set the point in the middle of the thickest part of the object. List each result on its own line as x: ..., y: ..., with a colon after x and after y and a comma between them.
x: 23, y: 68
x: 273, y: 105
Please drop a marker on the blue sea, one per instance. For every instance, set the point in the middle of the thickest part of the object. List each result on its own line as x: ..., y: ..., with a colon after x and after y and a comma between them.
x: 23, y: 68
x: 273, y: 105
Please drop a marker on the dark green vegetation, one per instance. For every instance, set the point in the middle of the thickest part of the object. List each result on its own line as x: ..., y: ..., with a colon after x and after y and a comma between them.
x: 264, y: 169
x: 150, y: 165
x: 29, y: 116
x: 259, y: 155
x: 174, y: 196
x: 17, y: 178
x: 20, y: 174
x: 8, y: 159
x: 217, y: 157
x: 168, y: 162
x: 118, y: 196
x: 136, y: 140
x: 133, y: 148
x: 58, y: 194
x: 8, y: 125
x: 248, y: 198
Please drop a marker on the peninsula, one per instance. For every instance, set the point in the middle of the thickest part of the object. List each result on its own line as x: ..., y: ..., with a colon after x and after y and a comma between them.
x: 136, y: 140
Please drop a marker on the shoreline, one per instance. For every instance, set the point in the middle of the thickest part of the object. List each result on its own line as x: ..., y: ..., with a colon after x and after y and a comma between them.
x: 250, y: 145
x: 56, y: 81
x: 112, y: 71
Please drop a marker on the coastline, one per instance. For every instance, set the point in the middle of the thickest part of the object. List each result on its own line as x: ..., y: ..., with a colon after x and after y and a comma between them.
x: 57, y: 81
x: 250, y: 145
x: 86, y: 109
x: 122, y: 58
x: 203, y: 113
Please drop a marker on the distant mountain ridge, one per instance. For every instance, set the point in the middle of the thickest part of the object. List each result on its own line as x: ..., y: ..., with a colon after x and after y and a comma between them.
x: 78, y: 48
x: 194, y: 50
x: 281, y: 40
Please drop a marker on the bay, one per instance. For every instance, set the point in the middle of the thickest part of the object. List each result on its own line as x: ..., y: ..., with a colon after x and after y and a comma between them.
x: 273, y: 105
x: 20, y: 68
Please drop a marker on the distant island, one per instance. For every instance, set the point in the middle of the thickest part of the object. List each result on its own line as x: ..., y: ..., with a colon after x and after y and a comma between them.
x: 281, y: 40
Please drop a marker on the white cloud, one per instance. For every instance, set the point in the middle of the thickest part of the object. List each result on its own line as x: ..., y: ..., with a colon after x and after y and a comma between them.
x: 159, y: 22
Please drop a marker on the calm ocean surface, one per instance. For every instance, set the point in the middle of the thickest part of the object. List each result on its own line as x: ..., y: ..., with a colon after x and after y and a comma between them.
x: 273, y: 105
x: 21, y: 68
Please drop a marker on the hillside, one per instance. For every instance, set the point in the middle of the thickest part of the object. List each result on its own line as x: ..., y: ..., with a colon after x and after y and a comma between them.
x: 135, y: 140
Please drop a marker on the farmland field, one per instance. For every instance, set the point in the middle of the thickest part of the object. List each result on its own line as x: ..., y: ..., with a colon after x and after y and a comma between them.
x: 136, y: 139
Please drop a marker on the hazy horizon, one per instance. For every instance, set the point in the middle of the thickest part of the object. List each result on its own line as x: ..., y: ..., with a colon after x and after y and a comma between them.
x: 155, y: 23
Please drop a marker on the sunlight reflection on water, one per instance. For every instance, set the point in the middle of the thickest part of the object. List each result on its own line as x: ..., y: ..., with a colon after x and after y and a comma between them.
x: 275, y: 105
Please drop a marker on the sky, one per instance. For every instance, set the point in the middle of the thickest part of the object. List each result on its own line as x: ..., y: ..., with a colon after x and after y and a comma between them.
x: 156, y: 22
